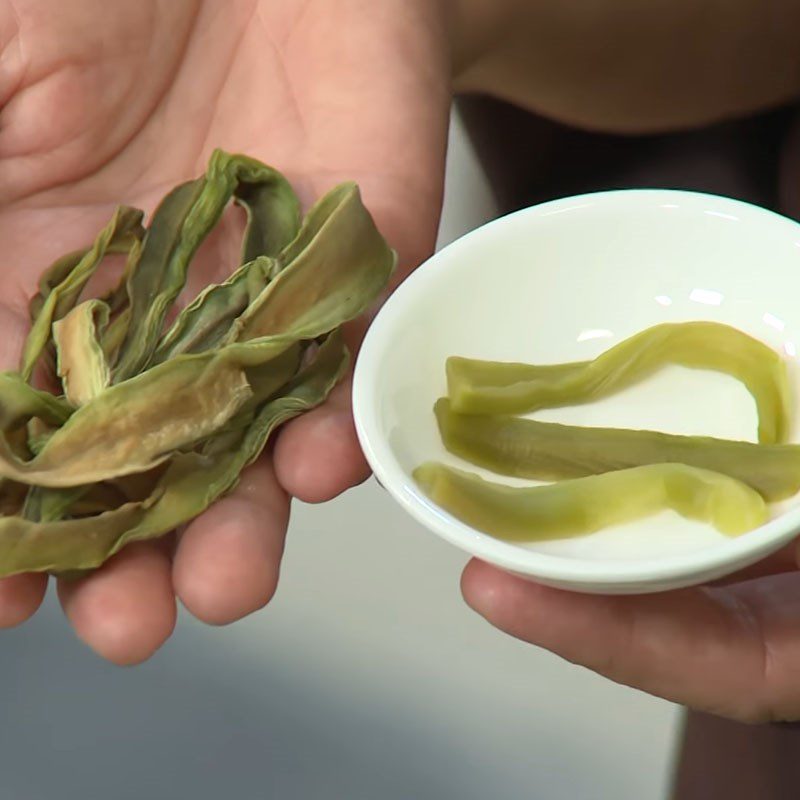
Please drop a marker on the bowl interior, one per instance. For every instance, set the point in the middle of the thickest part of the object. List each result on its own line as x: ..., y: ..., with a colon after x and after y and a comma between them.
x: 562, y: 282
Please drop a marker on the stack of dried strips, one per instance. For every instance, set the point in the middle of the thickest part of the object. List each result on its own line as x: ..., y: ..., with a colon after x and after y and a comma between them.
x: 151, y: 423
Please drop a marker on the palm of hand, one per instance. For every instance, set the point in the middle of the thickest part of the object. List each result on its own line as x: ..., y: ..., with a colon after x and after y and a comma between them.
x: 107, y: 103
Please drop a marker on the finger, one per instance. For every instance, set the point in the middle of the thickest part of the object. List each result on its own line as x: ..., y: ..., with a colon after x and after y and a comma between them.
x: 317, y: 456
x: 126, y: 610
x: 731, y: 651
x: 20, y: 596
x: 227, y: 562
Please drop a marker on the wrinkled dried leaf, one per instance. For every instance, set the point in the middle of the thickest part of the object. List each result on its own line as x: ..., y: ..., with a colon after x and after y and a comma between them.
x: 119, y: 309
x: 342, y: 266
x: 161, y: 272
x: 81, y: 362
x: 205, y: 322
x: 158, y: 275
x: 133, y: 426
x: 273, y: 215
x: 19, y: 402
x: 53, y: 302
x: 191, y: 483
x: 166, y: 423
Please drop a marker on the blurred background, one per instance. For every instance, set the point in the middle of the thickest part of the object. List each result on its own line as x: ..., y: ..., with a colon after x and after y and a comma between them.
x: 367, y: 677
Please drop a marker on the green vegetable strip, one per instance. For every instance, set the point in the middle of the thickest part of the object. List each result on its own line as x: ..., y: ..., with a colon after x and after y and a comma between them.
x: 132, y: 427
x: 316, y: 219
x: 161, y: 273
x: 119, y: 309
x: 114, y: 335
x: 485, y: 387
x: 340, y: 270
x: 205, y: 322
x: 269, y: 378
x: 273, y: 216
x: 273, y: 222
x: 586, y: 505
x: 19, y: 402
x: 37, y: 434
x: 335, y: 279
x: 60, y: 270
x: 186, y: 412
x: 82, y: 365
x: 54, y: 275
x: 158, y: 276
x: 118, y: 236
x: 48, y: 505
x: 547, y: 451
x: 190, y: 484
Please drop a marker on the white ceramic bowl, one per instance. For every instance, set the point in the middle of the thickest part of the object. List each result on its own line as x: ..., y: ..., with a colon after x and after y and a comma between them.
x: 564, y: 281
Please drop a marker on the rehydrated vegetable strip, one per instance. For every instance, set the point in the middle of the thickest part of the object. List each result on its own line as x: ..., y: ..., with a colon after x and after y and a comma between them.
x: 549, y: 451
x: 487, y: 387
x: 585, y: 505
x: 607, y: 476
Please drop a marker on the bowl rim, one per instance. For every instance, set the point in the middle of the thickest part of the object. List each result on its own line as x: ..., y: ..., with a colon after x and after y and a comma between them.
x: 736, y: 552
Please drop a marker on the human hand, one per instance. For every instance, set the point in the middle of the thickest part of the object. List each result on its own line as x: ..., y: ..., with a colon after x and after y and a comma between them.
x: 731, y: 648
x: 103, y: 103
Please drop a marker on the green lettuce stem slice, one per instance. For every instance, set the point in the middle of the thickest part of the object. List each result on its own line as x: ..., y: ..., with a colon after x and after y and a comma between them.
x: 547, y: 451
x: 486, y: 387
x: 585, y: 505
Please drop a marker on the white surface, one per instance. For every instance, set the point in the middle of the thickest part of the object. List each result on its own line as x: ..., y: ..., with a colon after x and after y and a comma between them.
x: 366, y: 679
x: 563, y: 282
